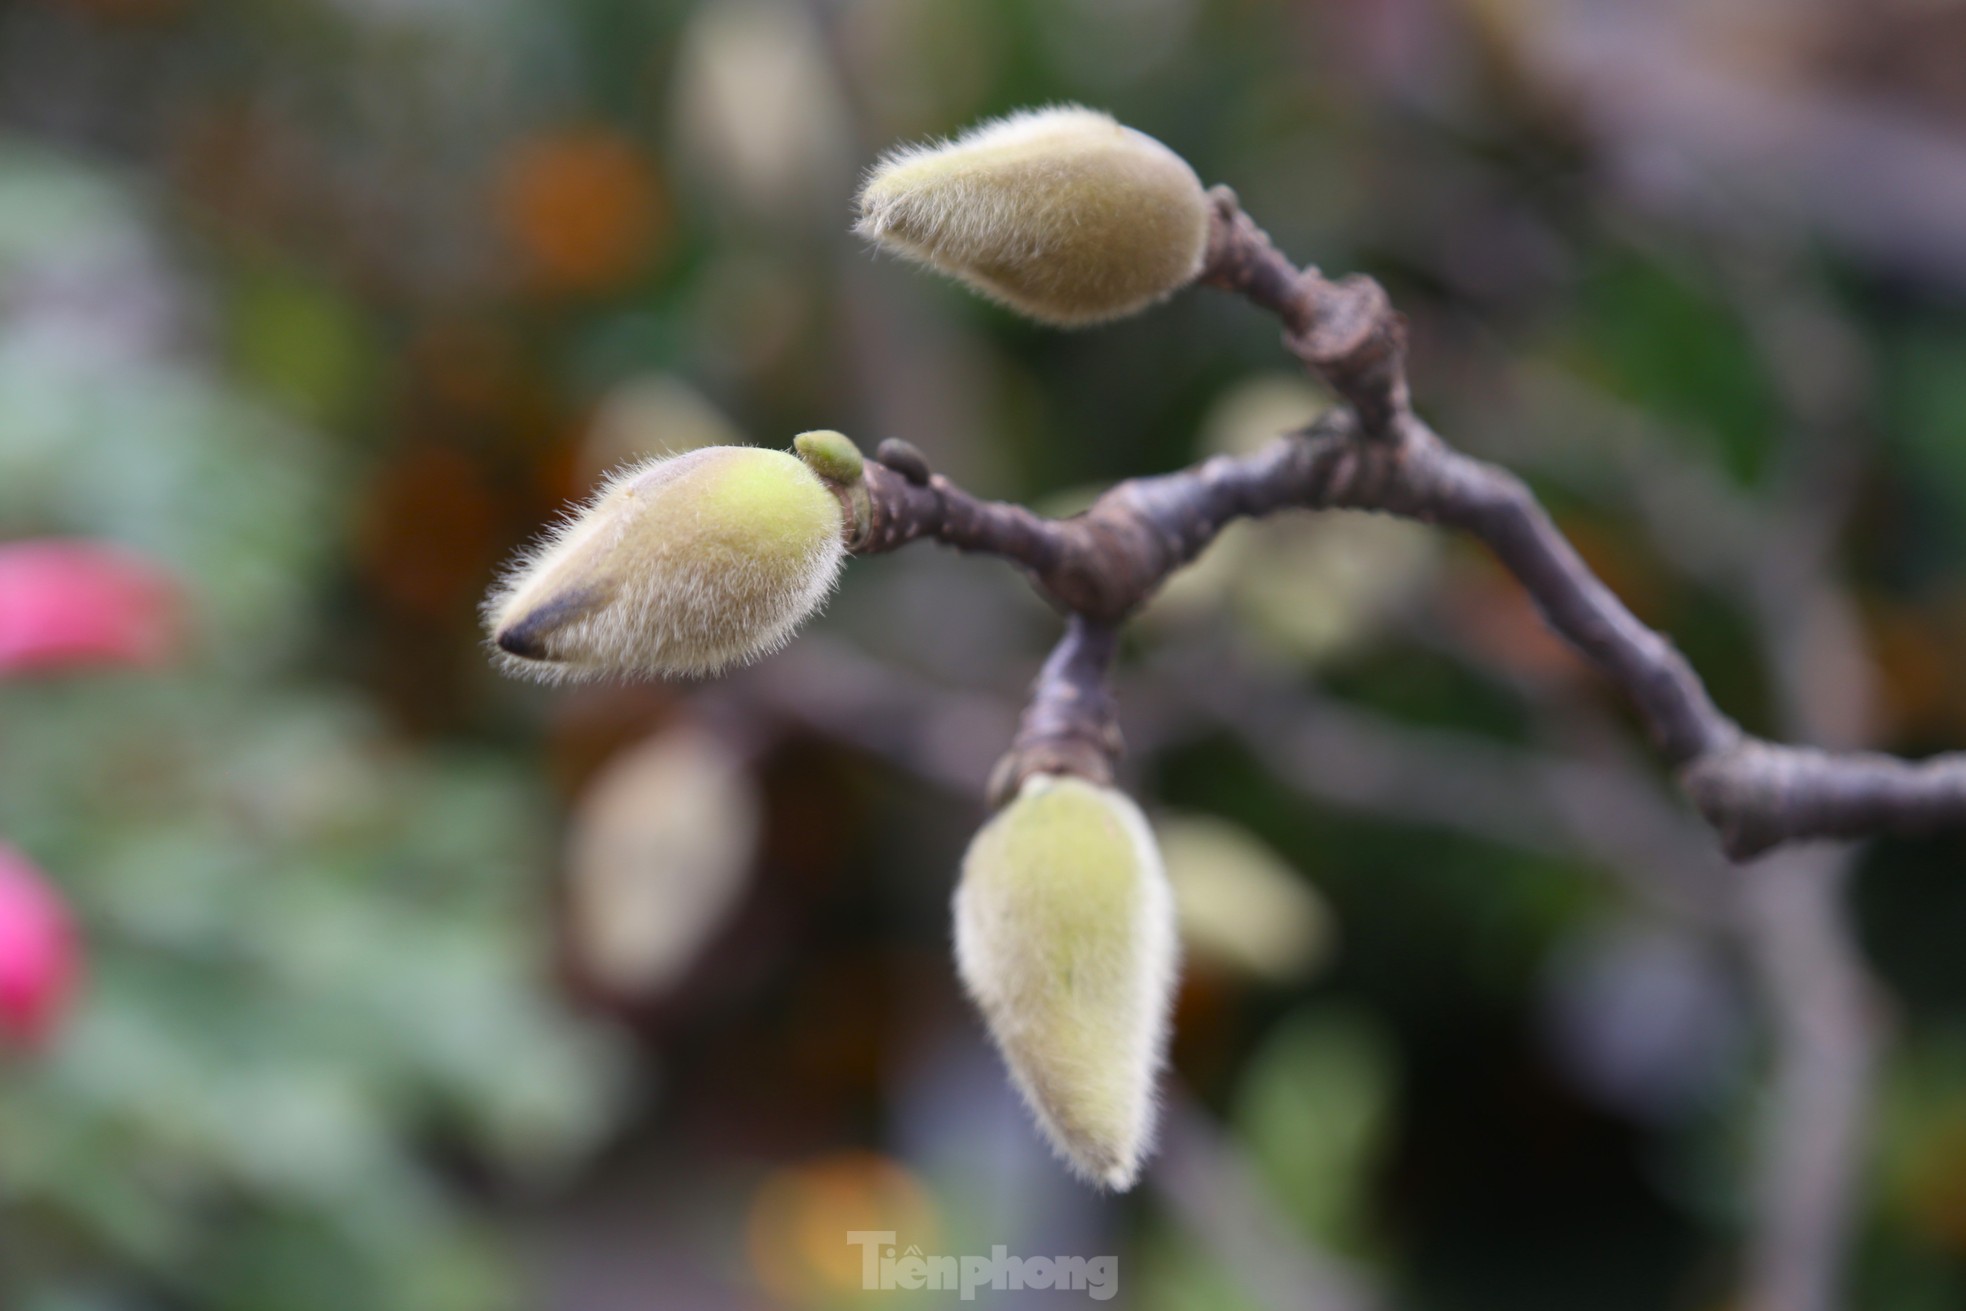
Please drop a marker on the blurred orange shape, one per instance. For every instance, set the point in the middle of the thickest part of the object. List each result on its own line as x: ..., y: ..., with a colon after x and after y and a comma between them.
x: 1936, y: 1189
x: 583, y: 207
x: 80, y: 603
x: 427, y: 531
x: 1487, y: 609
x: 800, y: 1218
x: 1915, y: 662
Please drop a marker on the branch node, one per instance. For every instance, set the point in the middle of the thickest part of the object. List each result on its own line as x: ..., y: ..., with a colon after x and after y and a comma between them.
x: 1070, y: 725
x: 1739, y: 790
x: 1374, y: 453
x: 905, y: 459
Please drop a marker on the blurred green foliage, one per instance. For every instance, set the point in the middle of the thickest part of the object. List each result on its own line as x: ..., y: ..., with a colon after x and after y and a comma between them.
x: 311, y: 952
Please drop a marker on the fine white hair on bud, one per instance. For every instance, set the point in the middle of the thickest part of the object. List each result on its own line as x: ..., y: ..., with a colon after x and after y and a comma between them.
x: 681, y: 565
x: 1065, y: 938
x: 1062, y: 214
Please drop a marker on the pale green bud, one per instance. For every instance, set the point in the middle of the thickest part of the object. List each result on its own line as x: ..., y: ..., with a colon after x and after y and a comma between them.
x: 1061, y: 214
x: 831, y: 455
x: 682, y: 565
x: 1065, y: 938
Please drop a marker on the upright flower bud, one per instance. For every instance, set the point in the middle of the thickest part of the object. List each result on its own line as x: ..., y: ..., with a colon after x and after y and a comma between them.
x: 37, y: 952
x: 1065, y: 937
x: 1061, y: 214
x: 682, y: 565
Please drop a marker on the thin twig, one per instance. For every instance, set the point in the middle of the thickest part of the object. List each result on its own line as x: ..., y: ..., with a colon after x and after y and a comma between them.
x: 1378, y: 455
x: 1071, y: 725
x: 1531, y: 800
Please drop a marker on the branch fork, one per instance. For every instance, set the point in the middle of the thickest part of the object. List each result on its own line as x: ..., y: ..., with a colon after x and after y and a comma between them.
x: 1373, y: 453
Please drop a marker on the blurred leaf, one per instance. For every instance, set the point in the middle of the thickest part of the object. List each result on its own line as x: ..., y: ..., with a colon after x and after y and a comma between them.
x: 1314, y: 1110
x: 1240, y: 904
x: 303, y: 342
x: 1653, y: 337
x: 1928, y: 412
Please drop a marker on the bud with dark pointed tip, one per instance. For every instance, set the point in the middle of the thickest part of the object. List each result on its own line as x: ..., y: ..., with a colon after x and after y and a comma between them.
x: 682, y: 565
x: 1061, y: 214
x: 1065, y: 937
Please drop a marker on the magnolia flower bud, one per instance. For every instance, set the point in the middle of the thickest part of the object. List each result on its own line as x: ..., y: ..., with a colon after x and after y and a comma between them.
x: 1061, y: 214
x: 1065, y: 938
x: 681, y: 565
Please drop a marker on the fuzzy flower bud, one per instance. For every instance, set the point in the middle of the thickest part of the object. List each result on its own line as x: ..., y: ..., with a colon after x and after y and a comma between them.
x: 681, y: 565
x: 1061, y: 214
x: 1065, y: 938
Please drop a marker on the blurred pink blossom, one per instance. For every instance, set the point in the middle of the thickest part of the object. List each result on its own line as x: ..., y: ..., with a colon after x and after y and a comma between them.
x: 69, y: 602
x: 39, y: 959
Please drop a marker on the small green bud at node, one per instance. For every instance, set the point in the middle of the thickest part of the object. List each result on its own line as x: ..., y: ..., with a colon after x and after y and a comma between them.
x: 1065, y: 938
x: 1062, y: 214
x: 680, y: 565
x: 831, y: 455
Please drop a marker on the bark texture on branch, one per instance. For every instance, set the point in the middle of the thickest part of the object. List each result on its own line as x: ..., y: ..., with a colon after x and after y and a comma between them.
x: 1375, y: 453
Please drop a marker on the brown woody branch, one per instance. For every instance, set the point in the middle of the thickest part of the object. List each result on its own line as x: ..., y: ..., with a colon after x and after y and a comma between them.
x: 1376, y: 454
x: 1071, y: 724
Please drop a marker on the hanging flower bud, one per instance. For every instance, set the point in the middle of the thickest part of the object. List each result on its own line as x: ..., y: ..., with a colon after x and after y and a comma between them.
x: 37, y: 952
x: 681, y: 565
x: 1065, y: 937
x: 1061, y: 214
